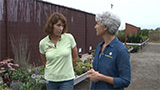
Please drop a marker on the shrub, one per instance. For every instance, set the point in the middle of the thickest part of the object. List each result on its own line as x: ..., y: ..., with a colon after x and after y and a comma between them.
x: 20, y: 78
x: 135, y: 48
x: 121, y: 35
x: 82, y: 67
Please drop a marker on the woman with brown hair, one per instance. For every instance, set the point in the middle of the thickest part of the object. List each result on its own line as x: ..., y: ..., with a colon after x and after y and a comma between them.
x: 58, y: 52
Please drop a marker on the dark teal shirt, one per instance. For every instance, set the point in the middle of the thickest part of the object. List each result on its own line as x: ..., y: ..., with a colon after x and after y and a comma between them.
x: 114, y: 62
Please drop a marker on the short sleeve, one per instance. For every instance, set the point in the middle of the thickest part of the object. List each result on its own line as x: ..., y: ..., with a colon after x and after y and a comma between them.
x: 73, y: 42
x: 41, y: 49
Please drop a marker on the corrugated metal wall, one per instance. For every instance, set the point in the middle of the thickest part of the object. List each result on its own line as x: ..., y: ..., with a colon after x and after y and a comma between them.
x: 2, y: 31
x: 27, y: 17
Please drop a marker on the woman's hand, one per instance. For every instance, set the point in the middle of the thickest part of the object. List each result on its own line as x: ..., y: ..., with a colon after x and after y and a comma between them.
x: 96, y: 76
x: 93, y: 75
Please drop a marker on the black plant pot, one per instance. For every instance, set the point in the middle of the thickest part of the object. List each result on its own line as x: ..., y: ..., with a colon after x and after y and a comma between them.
x: 6, y: 80
x: 44, y: 87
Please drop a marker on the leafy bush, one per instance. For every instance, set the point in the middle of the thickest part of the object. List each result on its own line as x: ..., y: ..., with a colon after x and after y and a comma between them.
x: 141, y: 36
x: 135, y: 48
x: 21, y: 78
x: 134, y: 39
x: 82, y: 67
x: 16, y: 85
x: 93, y: 53
x: 143, y: 32
x: 121, y: 35
x: 4, y: 87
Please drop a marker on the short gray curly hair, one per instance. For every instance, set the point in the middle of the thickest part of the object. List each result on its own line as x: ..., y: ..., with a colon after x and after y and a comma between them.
x: 110, y: 20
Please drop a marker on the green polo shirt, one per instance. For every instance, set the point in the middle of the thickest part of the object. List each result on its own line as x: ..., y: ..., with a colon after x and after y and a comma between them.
x: 59, y: 59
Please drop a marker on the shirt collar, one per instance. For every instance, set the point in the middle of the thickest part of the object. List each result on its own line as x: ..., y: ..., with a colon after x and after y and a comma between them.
x: 62, y: 36
x: 112, y: 43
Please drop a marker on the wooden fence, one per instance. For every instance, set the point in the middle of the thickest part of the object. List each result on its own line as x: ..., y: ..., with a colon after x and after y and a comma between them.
x: 27, y: 17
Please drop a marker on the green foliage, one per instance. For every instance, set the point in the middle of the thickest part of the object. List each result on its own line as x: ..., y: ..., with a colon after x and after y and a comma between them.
x: 141, y: 36
x: 144, y: 38
x: 20, y: 50
x: 144, y: 32
x: 93, y: 53
x: 21, y: 78
x: 21, y: 74
x: 38, y: 78
x: 133, y: 39
x: 135, y: 48
x: 34, y: 80
x: 16, y: 85
x: 121, y: 35
x: 82, y: 67
x: 4, y: 87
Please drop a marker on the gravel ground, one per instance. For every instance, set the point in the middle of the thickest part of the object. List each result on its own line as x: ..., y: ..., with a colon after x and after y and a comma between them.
x: 145, y: 66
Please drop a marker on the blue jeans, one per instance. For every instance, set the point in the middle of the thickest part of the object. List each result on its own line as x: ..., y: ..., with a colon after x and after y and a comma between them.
x: 62, y: 85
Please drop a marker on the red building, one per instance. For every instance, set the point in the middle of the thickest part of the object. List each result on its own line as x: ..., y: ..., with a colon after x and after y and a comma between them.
x: 131, y: 30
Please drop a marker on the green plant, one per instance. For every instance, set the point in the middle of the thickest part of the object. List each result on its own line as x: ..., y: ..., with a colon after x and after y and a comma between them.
x: 134, y: 39
x: 144, y: 38
x: 141, y: 36
x: 4, y: 87
x: 29, y: 80
x: 93, y: 53
x: 21, y: 74
x: 121, y: 35
x: 21, y: 78
x: 144, y: 32
x: 20, y: 51
x: 22, y: 56
x: 82, y: 67
x: 16, y: 85
x: 135, y: 48
x: 6, y: 66
x: 38, y: 78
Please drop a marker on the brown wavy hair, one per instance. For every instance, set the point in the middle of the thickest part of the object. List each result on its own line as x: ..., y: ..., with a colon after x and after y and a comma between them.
x: 53, y: 19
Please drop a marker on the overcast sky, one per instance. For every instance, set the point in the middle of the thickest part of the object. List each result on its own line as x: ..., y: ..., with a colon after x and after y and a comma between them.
x: 141, y: 13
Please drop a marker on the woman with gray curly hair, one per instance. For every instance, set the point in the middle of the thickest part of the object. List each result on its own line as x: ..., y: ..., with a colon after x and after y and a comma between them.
x: 111, y: 64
